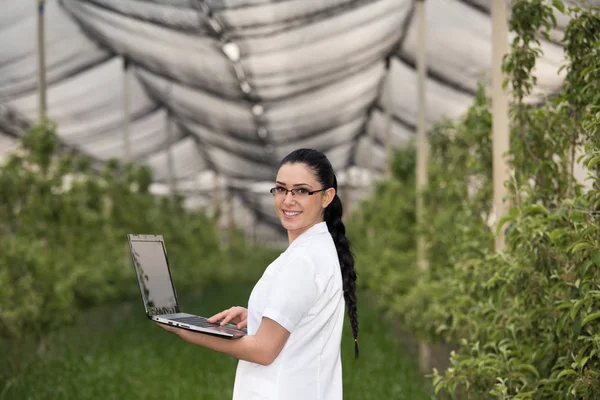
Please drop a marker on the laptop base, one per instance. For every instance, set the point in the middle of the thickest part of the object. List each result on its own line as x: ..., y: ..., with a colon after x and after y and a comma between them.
x: 199, y: 324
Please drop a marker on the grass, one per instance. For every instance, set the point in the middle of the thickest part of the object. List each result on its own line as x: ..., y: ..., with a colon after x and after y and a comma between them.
x: 116, y: 353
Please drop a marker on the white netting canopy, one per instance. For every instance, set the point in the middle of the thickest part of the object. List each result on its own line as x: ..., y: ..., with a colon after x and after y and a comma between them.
x: 232, y: 86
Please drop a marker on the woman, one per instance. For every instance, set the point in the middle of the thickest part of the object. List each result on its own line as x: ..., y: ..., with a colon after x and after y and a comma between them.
x: 296, y: 310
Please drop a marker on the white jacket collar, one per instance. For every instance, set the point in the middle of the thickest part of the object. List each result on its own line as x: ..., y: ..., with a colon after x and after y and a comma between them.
x: 321, y: 227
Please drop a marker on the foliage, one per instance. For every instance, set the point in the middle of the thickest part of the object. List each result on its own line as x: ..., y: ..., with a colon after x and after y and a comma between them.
x: 63, y: 230
x: 525, y: 320
x: 542, y: 137
x: 384, y: 233
x: 115, y: 353
x: 458, y: 193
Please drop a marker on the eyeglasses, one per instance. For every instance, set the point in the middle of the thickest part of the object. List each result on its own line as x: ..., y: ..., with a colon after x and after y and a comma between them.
x: 280, y: 191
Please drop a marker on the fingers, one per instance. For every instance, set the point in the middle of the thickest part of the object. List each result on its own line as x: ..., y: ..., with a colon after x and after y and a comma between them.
x: 233, y: 313
x: 228, y: 315
x: 218, y: 316
x: 243, y: 319
x: 243, y: 324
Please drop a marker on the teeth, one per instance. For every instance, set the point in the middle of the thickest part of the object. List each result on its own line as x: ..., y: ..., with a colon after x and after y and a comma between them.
x: 291, y: 214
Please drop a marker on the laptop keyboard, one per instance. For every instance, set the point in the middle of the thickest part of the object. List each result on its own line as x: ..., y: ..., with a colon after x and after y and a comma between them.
x: 203, y: 323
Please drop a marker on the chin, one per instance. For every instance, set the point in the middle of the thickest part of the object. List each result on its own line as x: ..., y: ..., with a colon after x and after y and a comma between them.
x: 291, y: 225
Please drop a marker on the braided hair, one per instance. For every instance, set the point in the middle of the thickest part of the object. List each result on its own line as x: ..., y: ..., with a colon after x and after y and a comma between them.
x: 324, y: 173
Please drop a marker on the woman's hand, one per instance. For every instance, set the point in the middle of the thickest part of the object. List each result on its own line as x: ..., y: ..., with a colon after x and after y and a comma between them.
x: 237, y: 315
x: 170, y: 328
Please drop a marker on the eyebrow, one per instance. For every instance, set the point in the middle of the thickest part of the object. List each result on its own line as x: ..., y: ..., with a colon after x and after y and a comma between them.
x: 297, y: 184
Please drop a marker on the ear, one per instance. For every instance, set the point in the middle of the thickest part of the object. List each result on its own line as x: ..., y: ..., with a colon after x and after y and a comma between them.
x: 328, y: 197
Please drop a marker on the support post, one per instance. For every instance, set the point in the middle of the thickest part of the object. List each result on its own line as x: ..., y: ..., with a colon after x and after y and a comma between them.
x: 254, y: 226
x: 170, y: 133
x: 346, y: 196
x: 230, y: 210
x: 126, y: 111
x: 500, y: 121
x: 422, y: 158
x: 349, y: 205
x: 41, y: 47
x: 216, y: 197
x: 389, y: 151
x: 254, y: 223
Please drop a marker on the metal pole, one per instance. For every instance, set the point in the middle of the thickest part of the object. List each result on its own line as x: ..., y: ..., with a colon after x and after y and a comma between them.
x: 126, y: 111
x: 216, y: 196
x: 346, y: 198
x: 500, y: 122
x: 388, y: 126
x: 41, y: 44
x: 422, y: 144
x: 422, y: 157
x: 352, y: 195
x: 255, y: 218
x: 170, y: 161
x: 230, y: 211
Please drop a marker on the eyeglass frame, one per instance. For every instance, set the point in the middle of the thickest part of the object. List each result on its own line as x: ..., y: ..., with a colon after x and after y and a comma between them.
x: 294, y: 190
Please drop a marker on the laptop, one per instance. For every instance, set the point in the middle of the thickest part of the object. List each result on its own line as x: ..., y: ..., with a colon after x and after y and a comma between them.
x: 149, y: 257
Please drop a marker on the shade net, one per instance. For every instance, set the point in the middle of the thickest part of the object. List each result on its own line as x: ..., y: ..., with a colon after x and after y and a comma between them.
x: 229, y: 87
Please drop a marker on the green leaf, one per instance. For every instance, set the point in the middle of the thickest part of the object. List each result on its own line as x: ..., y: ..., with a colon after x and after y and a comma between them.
x: 559, y: 5
x: 590, y: 318
x: 441, y: 328
x: 557, y: 234
x: 561, y: 323
x: 596, y: 258
x: 530, y: 368
x: 536, y: 209
x: 576, y: 328
x: 593, y: 162
x: 582, y: 362
x: 525, y: 395
x: 576, y: 308
x: 566, y: 372
x: 581, y: 246
x: 510, y: 217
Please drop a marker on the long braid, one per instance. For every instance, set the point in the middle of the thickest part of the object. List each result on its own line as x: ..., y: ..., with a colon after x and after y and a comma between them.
x: 333, y: 218
x: 322, y: 168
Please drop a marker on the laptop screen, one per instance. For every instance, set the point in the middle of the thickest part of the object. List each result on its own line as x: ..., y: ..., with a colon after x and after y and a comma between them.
x: 150, y: 263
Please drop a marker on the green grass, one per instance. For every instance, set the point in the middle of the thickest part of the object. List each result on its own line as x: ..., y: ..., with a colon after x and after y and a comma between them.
x: 116, y: 353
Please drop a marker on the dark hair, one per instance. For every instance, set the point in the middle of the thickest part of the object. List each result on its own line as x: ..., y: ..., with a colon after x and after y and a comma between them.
x: 323, y: 170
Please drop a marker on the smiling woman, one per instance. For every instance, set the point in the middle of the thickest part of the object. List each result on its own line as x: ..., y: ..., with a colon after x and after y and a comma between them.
x: 300, y: 210
x: 295, y: 313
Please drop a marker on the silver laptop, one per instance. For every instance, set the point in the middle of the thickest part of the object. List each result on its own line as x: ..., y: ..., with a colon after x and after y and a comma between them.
x: 158, y: 291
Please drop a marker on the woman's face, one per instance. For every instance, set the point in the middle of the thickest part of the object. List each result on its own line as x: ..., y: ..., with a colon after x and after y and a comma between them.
x: 301, y: 211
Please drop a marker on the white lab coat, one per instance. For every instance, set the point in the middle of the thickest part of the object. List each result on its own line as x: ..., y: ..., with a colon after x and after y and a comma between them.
x: 302, y: 291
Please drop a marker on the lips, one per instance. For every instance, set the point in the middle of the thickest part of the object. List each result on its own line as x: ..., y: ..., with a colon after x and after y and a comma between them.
x: 291, y: 214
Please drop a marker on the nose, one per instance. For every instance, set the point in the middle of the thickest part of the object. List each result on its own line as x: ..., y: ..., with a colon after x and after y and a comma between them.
x: 288, y: 198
